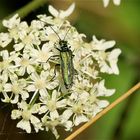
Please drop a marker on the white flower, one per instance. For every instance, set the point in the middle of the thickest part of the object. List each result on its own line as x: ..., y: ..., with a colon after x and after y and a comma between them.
x: 12, y: 22
x: 77, y: 108
x: 61, y: 14
x: 42, y: 55
x: 25, y: 64
x: 101, y: 45
x: 16, y: 28
x: 27, y: 41
x: 4, y: 39
x: 50, y: 103
x: 51, y: 122
x: 16, y: 87
x: 26, y: 112
x: 42, y: 82
x: 81, y: 85
x: 5, y: 97
x: 88, y: 67
x: 36, y: 25
x: 46, y: 19
x: 102, y: 91
x: 116, y: 2
x: 6, y: 65
x: 94, y: 104
x: 107, y: 60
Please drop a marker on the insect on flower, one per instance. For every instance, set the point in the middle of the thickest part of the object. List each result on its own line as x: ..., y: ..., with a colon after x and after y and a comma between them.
x: 66, y: 61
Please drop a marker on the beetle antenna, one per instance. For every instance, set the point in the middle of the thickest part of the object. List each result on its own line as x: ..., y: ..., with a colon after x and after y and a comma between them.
x: 67, y: 32
x: 55, y: 32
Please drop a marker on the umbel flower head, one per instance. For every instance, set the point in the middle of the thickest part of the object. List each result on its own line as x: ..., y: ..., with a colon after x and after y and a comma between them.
x: 32, y: 75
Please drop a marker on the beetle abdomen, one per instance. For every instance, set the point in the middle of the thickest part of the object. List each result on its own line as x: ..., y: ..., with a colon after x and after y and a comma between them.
x: 67, y: 69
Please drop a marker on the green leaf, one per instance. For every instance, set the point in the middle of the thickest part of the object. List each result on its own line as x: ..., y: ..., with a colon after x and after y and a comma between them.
x: 104, y: 129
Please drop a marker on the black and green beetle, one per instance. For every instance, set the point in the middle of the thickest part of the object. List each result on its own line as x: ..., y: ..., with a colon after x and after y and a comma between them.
x: 66, y: 62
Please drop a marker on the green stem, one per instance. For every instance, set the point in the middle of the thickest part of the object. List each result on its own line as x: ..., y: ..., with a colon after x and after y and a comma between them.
x: 25, y: 10
x: 33, y: 99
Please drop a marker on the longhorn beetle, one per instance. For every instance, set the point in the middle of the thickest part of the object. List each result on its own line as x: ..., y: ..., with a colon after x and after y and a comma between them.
x: 66, y: 61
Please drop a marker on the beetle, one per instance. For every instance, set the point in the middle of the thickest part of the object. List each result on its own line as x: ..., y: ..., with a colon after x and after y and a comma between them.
x: 66, y: 61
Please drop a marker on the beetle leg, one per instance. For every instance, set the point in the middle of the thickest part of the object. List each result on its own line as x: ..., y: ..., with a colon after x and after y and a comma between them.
x: 55, y: 71
x: 52, y: 57
x: 75, y: 72
x: 57, y: 47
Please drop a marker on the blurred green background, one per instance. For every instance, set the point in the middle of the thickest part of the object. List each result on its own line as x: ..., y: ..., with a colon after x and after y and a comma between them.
x: 120, y: 23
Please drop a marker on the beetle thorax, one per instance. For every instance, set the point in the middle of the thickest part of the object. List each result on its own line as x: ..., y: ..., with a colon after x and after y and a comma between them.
x: 64, y: 45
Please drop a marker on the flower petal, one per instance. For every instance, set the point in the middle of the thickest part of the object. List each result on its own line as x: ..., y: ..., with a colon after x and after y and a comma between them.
x: 102, y: 103
x: 79, y: 119
x: 53, y: 11
x: 68, y: 12
x: 15, y: 114
x: 117, y: 2
x: 25, y: 125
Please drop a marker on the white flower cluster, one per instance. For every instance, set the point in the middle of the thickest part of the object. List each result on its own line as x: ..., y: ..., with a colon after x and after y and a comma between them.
x: 29, y: 77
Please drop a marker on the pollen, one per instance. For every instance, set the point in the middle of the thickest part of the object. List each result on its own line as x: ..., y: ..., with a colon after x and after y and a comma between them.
x: 24, y: 62
x: 43, y: 56
x: 40, y: 84
x: 77, y: 108
x: 27, y: 40
x: 15, y: 89
x: 26, y: 114
x: 51, y: 105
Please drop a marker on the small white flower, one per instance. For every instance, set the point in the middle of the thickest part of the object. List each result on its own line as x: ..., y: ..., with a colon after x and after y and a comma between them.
x: 94, y: 104
x: 42, y: 82
x: 102, y: 91
x: 68, y: 124
x: 46, y: 19
x: 12, y: 22
x: 108, y: 61
x: 36, y: 25
x: 116, y: 2
x: 61, y: 13
x: 88, y: 68
x: 16, y: 28
x: 50, y: 103
x: 77, y: 109
x: 5, y: 97
x: 81, y: 85
x: 4, y: 39
x: 101, y: 45
x: 16, y: 87
x: 51, y: 122
x: 28, y: 41
x: 42, y: 55
x: 6, y: 65
x: 25, y: 64
x: 113, y: 59
x: 26, y: 112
